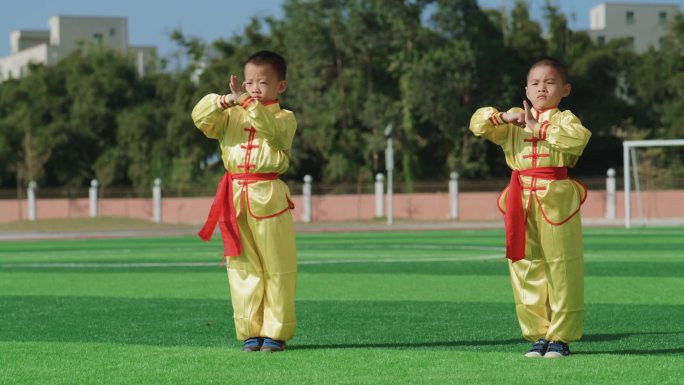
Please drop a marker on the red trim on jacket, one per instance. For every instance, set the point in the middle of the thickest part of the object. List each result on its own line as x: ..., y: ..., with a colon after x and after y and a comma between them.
x: 539, y: 112
x: 247, y: 102
x: 290, y: 206
x: 543, y: 129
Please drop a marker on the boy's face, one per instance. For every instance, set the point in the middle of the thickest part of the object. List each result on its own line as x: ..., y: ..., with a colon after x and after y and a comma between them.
x: 262, y: 83
x: 545, y: 87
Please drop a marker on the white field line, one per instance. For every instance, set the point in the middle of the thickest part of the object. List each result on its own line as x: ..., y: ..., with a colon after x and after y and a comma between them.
x: 95, y: 265
x: 401, y: 260
x: 306, y: 249
x: 58, y: 265
x: 426, y: 247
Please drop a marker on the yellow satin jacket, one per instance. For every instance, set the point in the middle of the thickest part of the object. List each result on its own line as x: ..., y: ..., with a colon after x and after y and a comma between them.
x: 557, y: 141
x: 254, y: 138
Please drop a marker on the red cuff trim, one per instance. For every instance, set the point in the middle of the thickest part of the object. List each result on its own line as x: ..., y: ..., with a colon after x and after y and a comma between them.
x: 223, y: 101
x: 496, y: 118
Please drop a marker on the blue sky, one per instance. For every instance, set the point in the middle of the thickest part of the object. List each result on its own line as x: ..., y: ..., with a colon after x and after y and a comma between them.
x: 150, y: 22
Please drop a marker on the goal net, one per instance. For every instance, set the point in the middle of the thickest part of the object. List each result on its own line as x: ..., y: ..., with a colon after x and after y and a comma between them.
x: 653, y: 182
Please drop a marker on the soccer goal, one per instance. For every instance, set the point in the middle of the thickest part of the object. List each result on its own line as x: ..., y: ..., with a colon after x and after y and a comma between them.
x: 658, y: 173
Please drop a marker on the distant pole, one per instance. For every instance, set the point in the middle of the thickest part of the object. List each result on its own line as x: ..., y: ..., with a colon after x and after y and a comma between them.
x: 453, y: 195
x: 306, y: 196
x: 610, y: 194
x: 92, y: 197
x: 379, y: 195
x: 31, y: 192
x: 156, y: 201
x: 637, y: 187
x: 389, y: 165
x: 628, y: 201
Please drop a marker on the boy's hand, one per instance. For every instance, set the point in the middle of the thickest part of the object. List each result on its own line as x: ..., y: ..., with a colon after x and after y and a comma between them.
x: 236, y: 88
x: 530, y: 121
x: 517, y: 118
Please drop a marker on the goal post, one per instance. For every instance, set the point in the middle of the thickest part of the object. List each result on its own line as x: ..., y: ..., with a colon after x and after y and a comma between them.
x: 630, y: 163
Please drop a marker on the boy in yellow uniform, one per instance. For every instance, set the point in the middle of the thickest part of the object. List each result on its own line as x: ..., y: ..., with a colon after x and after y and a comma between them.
x: 252, y: 206
x: 541, y: 207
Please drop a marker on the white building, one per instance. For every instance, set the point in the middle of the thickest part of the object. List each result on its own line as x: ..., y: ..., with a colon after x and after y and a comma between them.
x: 65, y: 35
x: 642, y: 24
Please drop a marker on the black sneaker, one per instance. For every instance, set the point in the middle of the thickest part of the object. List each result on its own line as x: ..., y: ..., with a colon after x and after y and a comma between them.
x: 252, y: 344
x: 271, y: 346
x: 538, y: 348
x: 557, y: 349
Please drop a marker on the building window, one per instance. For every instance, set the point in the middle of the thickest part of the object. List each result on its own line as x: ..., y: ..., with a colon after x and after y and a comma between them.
x: 112, y: 32
x: 97, y: 38
x: 630, y: 41
x: 629, y: 17
x: 662, y: 17
x: 662, y: 42
x: 601, y: 40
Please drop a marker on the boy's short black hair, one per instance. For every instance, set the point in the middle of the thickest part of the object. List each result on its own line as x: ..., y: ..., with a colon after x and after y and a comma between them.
x: 271, y: 58
x: 551, y: 62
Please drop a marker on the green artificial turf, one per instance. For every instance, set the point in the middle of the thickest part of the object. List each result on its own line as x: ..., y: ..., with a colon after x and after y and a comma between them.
x: 430, y: 307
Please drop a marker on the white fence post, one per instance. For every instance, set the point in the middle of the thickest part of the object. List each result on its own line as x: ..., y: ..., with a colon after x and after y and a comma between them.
x: 379, y: 195
x: 31, y: 193
x: 306, y: 197
x: 453, y: 195
x: 389, y: 166
x: 610, y: 195
x: 156, y: 201
x: 92, y: 197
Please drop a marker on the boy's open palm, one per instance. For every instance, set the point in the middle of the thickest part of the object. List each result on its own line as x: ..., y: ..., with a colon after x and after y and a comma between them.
x: 236, y: 87
x: 522, y: 118
x: 530, y: 121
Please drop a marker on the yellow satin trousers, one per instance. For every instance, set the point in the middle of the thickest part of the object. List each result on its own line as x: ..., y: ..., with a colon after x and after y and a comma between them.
x: 263, y: 278
x: 548, y: 285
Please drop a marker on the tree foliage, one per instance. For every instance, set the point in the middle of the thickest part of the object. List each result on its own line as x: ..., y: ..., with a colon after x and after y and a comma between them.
x: 354, y: 67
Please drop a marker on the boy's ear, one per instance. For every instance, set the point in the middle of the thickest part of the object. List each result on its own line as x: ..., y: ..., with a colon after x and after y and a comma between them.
x: 567, y: 87
x: 282, y: 86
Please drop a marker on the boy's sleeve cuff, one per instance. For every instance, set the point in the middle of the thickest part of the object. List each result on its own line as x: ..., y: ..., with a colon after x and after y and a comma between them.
x: 496, y: 118
x: 226, y: 101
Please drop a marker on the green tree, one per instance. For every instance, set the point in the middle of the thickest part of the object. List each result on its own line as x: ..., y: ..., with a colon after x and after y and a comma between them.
x: 656, y: 80
x: 339, y: 84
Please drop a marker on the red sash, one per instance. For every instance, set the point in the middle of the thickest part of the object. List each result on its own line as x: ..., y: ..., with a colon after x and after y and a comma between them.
x: 223, y: 211
x: 515, y: 218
